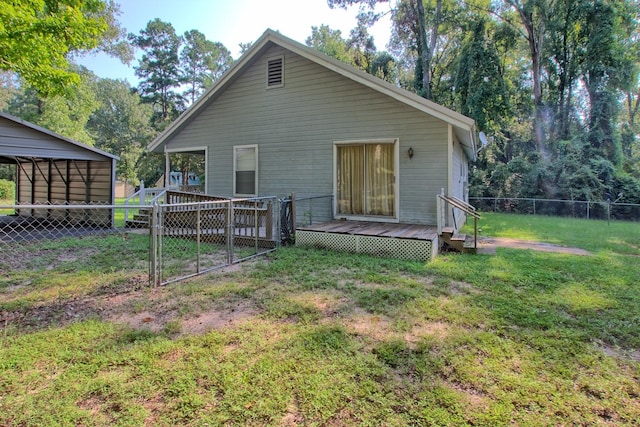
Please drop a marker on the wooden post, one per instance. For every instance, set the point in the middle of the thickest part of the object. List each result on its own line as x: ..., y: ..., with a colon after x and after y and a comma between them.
x: 141, y: 195
x: 475, y: 234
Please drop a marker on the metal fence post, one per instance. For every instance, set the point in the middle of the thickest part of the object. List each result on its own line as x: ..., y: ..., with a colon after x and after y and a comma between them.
x: 153, y: 247
x: 277, y: 212
x: 198, y: 233
x: 230, y: 231
x: 256, y: 230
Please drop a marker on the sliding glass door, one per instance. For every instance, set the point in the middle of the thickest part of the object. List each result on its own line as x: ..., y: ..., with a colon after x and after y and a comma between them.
x: 365, y: 179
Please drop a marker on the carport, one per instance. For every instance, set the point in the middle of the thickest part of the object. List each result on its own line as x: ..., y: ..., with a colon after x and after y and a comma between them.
x: 54, y: 170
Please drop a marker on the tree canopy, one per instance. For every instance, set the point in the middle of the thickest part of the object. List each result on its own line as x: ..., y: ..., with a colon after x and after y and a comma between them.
x: 37, y: 38
x: 554, y: 83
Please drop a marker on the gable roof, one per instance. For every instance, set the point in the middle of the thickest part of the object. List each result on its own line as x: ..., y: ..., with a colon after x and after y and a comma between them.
x: 22, y: 139
x: 464, y: 127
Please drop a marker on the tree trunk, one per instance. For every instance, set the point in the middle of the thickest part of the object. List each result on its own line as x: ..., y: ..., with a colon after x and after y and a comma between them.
x: 427, y: 47
x: 535, y: 39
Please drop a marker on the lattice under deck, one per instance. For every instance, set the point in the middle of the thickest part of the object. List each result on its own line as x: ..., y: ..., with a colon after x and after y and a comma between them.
x: 410, y: 249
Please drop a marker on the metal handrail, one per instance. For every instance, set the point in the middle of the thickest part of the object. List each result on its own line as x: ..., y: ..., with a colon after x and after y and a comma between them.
x: 466, y: 208
x: 460, y: 204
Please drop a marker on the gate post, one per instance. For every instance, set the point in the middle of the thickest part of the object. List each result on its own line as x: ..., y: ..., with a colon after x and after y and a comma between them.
x: 198, y: 236
x: 153, y: 246
x: 230, y: 231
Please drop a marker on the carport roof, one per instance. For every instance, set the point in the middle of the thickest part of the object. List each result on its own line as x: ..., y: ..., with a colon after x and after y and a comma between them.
x: 20, y: 139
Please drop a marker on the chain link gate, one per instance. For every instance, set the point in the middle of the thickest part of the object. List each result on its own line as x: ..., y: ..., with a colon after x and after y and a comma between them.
x: 189, y: 239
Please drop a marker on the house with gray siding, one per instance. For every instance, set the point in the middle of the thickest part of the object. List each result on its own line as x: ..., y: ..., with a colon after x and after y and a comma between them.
x: 289, y: 119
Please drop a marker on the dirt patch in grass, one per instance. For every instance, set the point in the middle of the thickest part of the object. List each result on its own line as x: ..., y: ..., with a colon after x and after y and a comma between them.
x: 133, y: 303
x: 488, y: 245
x: 328, y: 303
x: 372, y: 326
x: 218, y: 318
x: 25, y: 259
x: 618, y: 353
x: 437, y: 330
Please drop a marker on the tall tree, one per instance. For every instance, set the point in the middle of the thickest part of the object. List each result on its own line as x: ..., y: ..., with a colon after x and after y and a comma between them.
x: 362, y: 48
x: 65, y: 114
x: 37, y: 37
x: 9, y: 88
x: 564, y: 50
x: 601, y: 69
x: 159, y: 69
x: 203, y: 62
x: 426, y: 40
x: 480, y: 88
x: 121, y: 124
x: 329, y: 42
x: 534, y: 15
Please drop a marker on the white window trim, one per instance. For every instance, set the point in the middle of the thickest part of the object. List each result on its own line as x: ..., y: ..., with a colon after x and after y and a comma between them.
x: 281, y: 57
x: 255, y: 146
x: 396, y: 190
x: 206, y: 160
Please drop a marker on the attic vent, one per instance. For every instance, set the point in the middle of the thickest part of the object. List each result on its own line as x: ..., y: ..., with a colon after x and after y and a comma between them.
x: 275, y: 72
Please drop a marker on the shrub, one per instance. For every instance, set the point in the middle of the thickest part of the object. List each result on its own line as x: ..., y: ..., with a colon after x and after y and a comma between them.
x: 7, y: 189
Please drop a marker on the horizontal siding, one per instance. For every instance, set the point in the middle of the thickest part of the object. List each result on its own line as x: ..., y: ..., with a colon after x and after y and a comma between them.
x: 295, y: 127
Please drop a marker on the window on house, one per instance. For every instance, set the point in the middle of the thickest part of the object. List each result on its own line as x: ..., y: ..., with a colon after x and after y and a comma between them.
x: 245, y: 170
x: 275, y: 72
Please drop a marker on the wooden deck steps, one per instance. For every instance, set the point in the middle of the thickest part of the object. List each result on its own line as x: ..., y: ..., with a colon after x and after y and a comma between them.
x: 458, y: 242
x: 140, y: 220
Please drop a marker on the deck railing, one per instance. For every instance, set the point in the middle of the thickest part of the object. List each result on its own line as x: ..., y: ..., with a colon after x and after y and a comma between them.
x: 143, y: 197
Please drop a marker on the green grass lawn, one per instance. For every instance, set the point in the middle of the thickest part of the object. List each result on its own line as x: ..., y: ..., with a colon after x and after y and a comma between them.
x: 311, y: 337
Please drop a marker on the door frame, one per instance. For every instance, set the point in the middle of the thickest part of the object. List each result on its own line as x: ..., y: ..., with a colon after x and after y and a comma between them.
x: 396, y: 185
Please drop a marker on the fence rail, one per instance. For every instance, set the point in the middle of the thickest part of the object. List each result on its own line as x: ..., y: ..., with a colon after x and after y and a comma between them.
x: 313, y: 209
x: 182, y: 239
x: 558, y: 207
x: 188, y: 239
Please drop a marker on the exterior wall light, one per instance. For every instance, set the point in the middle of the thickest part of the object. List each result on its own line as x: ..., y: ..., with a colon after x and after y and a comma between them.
x: 410, y: 152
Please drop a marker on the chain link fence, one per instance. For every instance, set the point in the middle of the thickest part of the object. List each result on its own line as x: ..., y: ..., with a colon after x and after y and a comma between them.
x: 567, y: 208
x: 313, y: 209
x: 168, y: 242
x: 70, y: 238
x: 189, y: 239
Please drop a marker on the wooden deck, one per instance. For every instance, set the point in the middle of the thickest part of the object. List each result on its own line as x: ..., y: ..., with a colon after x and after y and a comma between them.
x: 376, y: 229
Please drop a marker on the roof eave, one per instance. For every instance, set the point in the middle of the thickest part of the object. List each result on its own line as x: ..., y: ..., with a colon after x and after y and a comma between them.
x: 465, y: 126
x: 57, y: 136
